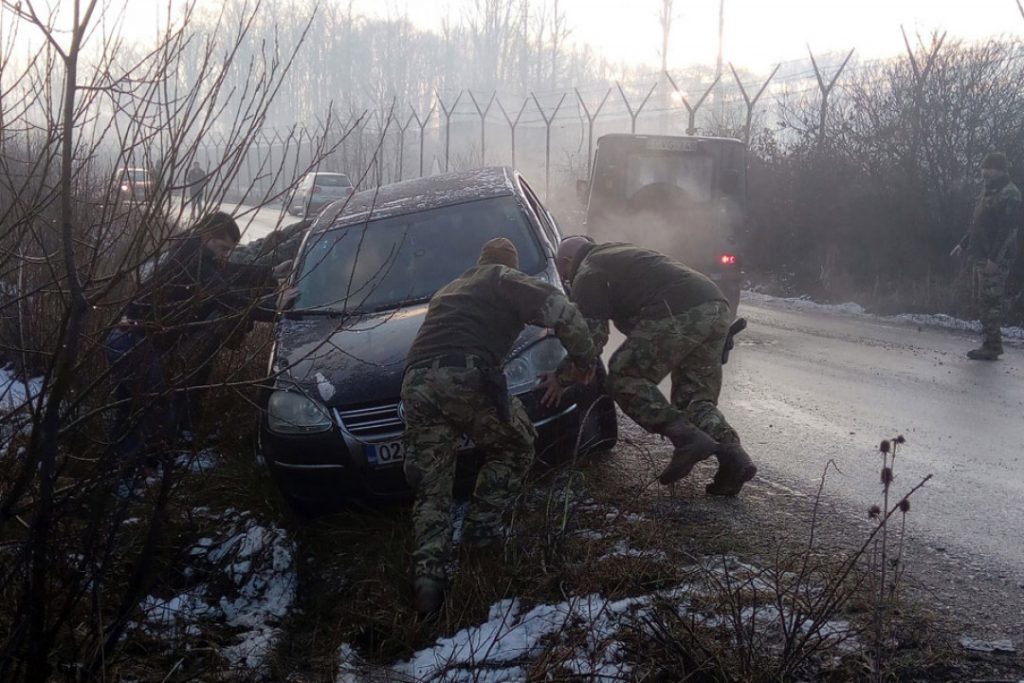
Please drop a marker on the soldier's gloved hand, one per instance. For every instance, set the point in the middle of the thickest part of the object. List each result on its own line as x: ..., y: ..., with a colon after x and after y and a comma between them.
x: 413, y: 474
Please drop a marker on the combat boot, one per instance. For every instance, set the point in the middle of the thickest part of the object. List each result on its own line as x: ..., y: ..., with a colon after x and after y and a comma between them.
x: 985, y: 353
x: 690, y: 446
x: 735, y: 468
x: 428, y: 595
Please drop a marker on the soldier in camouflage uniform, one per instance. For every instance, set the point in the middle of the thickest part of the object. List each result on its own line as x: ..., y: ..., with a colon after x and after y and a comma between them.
x: 675, y: 321
x: 991, y: 247
x: 454, y: 386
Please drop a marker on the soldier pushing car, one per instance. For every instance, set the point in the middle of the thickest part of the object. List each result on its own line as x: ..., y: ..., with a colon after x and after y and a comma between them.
x: 677, y: 322
x: 454, y: 386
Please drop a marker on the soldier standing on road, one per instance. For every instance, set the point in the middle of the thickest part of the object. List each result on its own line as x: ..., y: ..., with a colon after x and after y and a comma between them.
x: 454, y: 386
x: 991, y: 247
x: 675, y: 321
x: 196, y: 186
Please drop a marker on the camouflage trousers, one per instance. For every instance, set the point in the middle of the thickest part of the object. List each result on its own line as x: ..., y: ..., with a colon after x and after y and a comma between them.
x: 689, y: 346
x: 441, y: 406
x: 988, y: 287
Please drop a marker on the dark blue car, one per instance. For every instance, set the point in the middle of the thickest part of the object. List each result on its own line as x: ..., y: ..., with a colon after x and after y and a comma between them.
x: 332, y: 422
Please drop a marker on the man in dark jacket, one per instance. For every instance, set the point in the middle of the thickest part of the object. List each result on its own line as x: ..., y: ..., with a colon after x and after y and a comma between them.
x: 454, y: 387
x: 675, y: 321
x: 991, y: 248
x: 188, y: 307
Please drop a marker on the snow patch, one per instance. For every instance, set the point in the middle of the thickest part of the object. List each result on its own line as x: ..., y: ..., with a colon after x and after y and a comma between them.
x: 249, y: 584
x: 586, y: 630
x: 198, y: 462
x: 939, y: 320
x: 14, y: 392
x: 15, y: 396
x: 976, y: 645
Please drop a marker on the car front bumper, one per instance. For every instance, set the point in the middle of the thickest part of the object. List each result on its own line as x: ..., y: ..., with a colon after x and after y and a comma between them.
x: 330, y: 468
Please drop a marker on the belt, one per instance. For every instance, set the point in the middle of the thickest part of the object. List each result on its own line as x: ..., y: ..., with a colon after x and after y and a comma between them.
x: 452, y: 360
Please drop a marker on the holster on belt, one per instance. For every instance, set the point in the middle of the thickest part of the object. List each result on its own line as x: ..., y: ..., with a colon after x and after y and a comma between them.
x: 730, y: 342
x: 495, y: 385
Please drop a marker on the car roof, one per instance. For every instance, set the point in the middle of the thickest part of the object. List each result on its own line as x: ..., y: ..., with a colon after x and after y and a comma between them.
x: 421, y: 194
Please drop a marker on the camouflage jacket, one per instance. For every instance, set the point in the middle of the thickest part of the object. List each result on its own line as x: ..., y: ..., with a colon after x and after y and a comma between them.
x: 281, y: 245
x: 996, y: 221
x: 483, y: 312
x: 627, y: 284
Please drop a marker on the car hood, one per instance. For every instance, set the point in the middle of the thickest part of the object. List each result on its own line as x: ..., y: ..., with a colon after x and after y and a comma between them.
x: 357, y: 360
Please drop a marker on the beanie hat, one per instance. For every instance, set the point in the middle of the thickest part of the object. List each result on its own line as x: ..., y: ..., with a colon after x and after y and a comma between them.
x: 499, y: 251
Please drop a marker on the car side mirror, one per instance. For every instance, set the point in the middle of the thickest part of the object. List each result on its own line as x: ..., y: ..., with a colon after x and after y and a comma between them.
x: 582, y: 189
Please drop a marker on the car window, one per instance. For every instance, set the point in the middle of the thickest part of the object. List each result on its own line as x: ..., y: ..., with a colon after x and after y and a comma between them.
x: 391, y: 261
x: 333, y: 180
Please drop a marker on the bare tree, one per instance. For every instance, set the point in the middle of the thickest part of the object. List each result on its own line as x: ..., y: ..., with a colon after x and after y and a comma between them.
x: 78, y: 232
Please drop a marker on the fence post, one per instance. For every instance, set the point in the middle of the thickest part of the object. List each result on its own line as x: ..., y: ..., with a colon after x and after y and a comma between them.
x: 422, y: 123
x: 826, y: 90
x: 512, y: 123
x: 448, y: 111
x: 691, y: 110
x: 591, y: 117
x: 634, y: 114
x: 483, y: 123
x: 548, y: 120
x: 751, y: 102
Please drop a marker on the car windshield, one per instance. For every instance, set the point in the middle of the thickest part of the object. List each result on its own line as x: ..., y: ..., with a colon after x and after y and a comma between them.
x: 333, y: 180
x: 389, y: 262
x: 137, y: 175
x: 670, y: 171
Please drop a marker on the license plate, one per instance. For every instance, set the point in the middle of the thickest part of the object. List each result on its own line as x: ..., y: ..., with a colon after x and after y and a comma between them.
x: 393, y: 452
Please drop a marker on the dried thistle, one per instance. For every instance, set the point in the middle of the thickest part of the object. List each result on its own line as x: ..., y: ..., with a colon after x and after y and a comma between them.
x: 905, y: 506
x: 887, y: 476
x: 901, y: 440
x: 874, y: 511
x: 885, y: 446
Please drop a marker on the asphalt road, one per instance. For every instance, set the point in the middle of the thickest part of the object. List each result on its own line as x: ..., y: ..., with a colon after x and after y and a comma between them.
x: 804, y: 388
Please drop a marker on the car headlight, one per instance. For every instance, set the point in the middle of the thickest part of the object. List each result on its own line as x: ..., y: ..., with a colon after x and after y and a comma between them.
x: 521, y: 371
x: 292, y: 413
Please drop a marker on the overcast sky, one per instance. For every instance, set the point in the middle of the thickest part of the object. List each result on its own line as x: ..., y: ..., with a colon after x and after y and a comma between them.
x: 758, y: 33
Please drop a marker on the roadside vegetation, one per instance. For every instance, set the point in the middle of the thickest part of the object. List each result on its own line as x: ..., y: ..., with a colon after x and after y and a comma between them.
x: 206, y: 572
